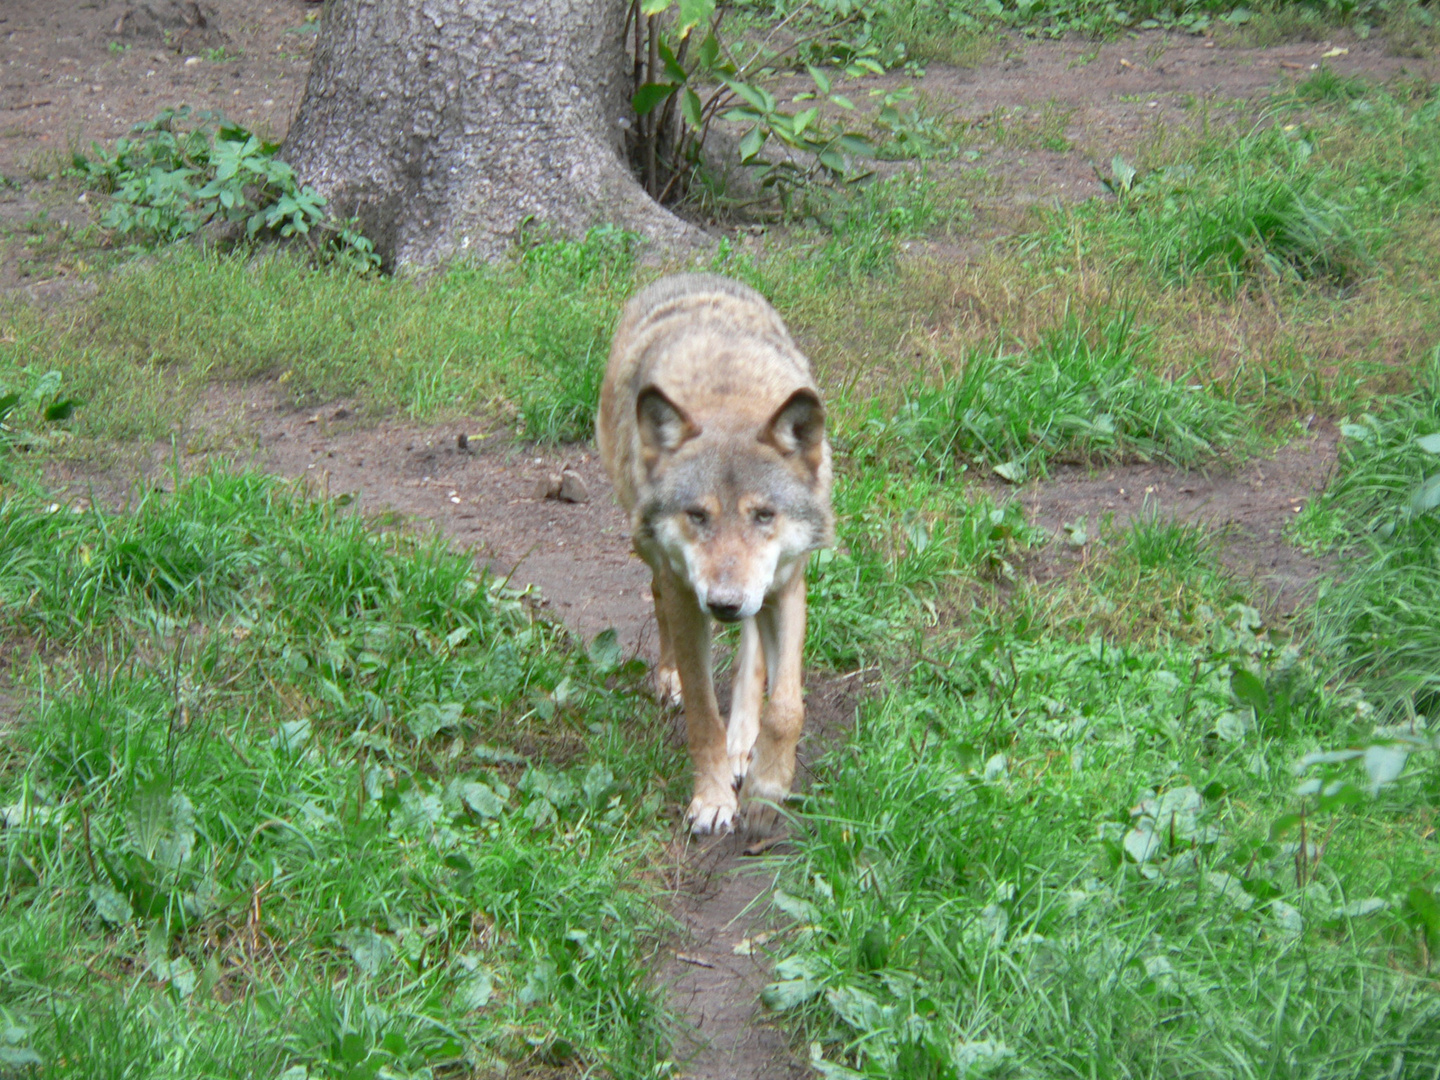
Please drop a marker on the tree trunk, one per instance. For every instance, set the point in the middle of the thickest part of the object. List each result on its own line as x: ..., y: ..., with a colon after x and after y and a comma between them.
x: 444, y: 124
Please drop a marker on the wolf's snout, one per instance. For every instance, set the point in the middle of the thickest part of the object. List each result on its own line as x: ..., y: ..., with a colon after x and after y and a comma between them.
x: 725, y: 605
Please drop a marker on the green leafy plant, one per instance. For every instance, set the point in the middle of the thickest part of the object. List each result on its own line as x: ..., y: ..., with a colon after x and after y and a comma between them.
x: 183, y: 171
x: 25, y: 412
x: 319, y: 789
x: 689, y: 77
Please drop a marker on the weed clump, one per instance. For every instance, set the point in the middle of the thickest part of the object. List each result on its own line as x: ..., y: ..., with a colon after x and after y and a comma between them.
x: 1383, y: 512
x: 1079, y: 395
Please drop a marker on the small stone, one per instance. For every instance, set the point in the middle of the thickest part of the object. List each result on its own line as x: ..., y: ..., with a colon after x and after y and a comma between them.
x: 573, y: 489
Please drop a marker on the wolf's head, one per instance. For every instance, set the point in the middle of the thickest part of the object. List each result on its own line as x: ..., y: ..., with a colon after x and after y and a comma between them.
x: 733, y: 510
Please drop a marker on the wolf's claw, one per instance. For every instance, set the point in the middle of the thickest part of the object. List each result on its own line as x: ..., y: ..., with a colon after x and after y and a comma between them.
x: 739, y: 766
x: 712, y: 815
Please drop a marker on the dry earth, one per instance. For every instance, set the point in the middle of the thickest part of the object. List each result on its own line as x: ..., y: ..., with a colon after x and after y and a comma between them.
x: 71, y: 73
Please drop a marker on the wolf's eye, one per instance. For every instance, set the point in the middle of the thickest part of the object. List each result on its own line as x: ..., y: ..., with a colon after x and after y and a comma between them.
x: 697, y: 515
x: 763, y: 516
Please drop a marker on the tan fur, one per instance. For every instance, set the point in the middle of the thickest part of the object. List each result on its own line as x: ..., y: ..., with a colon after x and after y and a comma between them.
x: 712, y: 430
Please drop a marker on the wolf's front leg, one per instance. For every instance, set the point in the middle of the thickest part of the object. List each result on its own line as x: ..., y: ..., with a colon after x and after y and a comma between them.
x: 667, y: 678
x: 747, y: 692
x: 714, y: 805
x: 781, y: 625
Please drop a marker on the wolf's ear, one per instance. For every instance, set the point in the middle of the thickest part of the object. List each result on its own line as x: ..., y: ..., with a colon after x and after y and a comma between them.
x: 798, y: 427
x: 663, y: 425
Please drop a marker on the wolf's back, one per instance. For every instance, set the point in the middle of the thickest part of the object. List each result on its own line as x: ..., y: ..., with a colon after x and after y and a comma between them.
x: 714, y: 346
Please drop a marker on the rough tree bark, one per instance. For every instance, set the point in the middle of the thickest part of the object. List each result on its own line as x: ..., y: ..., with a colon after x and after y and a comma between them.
x: 443, y: 124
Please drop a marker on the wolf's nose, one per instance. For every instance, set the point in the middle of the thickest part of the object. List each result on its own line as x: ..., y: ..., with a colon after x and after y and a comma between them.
x: 724, y: 611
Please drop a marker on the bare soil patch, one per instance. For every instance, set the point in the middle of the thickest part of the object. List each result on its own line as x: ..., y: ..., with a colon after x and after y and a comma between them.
x: 1248, y: 507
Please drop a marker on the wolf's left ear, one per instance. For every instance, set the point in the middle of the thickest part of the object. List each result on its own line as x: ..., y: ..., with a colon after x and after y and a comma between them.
x: 798, y: 427
x: 663, y: 426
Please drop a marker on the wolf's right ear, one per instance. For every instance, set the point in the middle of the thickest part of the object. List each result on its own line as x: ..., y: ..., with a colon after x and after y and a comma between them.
x: 663, y: 425
x: 798, y: 428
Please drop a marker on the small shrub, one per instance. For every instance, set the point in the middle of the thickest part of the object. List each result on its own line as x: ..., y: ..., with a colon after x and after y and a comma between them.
x: 179, y: 173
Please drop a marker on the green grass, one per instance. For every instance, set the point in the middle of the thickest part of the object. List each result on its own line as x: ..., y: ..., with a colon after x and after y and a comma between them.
x: 526, y: 340
x: 1382, y: 514
x: 1040, y: 858
x: 296, y: 794
x: 1081, y: 394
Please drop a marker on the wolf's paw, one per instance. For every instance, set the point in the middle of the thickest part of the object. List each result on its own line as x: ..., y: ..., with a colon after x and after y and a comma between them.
x: 760, y: 806
x: 667, y: 687
x: 712, y: 812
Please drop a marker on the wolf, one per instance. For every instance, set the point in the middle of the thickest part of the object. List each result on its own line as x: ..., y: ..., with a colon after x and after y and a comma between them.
x: 713, y: 432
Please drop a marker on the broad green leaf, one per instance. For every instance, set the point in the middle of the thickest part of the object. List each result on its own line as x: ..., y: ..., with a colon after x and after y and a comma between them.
x: 654, y: 7
x: 672, y: 66
x: 751, y: 144
x: 353, y: 1049
x: 1427, y: 910
x: 859, y: 145
x: 842, y: 101
x: 111, y: 905
x: 538, y: 983
x: 598, y: 782
x: 55, y: 411
x: 753, y: 95
x: 430, y: 718
x: 797, y: 908
x: 788, y: 993
x: 475, y: 991
x: 371, y: 951
x: 804, y: 119
x: 650, y: 95
x: 1426, y: 496
x: 605, y: 652
x: 708, y: 53
x: 691, y: 109
x: 1141, y: 843
x: 822, y: 81
x: 1011, y: 471
x: 292, y: 736
x: 481, y: 799
x: 693, y: 13
x: 1248, y: 688
x: 1384, y: 762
